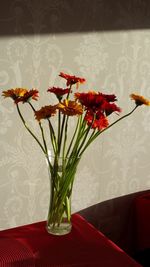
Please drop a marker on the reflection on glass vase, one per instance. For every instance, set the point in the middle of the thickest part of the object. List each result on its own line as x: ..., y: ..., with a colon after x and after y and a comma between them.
x: 62, y: 173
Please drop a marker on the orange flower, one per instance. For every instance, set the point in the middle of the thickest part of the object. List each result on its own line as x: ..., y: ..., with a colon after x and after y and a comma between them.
x: 14, y: 93
x: 45, y: 112
x: 70, y: 108
x: 140, y: 100
x: 21, y: 94
x: 31, y: 94
x: 71, y: 79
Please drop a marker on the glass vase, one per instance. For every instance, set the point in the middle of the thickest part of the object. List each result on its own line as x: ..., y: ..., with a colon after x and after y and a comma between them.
x: 61, y: 174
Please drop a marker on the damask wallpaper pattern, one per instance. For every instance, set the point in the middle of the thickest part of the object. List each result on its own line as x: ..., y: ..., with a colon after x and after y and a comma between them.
x: 112, y: 62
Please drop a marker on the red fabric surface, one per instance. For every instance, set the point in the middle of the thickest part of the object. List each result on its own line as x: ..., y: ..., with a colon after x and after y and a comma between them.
x: 83, y: 247
x: 14, y: 253
x: 143, y: 221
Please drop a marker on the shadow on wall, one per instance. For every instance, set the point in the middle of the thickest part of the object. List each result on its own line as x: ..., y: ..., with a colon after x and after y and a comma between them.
x: 19, y: 17
x: 116, y: 218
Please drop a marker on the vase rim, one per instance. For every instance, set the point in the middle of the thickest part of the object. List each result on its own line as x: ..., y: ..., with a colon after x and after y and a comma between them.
x: 61, y: 157
x: 53, y: 156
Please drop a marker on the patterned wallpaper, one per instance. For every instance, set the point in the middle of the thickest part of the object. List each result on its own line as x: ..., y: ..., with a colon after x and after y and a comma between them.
x: 111, y: 61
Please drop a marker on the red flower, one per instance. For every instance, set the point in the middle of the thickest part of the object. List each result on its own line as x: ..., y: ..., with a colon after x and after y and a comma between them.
x: 98, y: 102
x: 59, y: 92
x: 109, y: 98
x: 109, y: 108
x: 96, y: 120
x: 91, y: 100
x: 71, y: 79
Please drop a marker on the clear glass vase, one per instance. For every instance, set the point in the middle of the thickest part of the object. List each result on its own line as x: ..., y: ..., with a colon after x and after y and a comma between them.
x: 61, y: 173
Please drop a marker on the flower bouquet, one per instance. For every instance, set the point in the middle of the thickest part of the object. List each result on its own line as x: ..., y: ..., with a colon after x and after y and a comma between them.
x: 91, y: 111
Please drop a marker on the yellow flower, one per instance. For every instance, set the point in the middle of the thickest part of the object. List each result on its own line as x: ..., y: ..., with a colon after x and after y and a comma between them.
x: 70, y: 108
x: 140, y: 100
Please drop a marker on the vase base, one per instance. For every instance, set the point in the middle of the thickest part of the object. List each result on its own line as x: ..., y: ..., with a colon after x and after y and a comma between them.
x: 62, y: 229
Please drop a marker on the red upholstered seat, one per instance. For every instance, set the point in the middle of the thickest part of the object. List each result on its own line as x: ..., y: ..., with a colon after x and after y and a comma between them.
x: 14, y: 253
x: 142, y: 220
x: 31, y: 245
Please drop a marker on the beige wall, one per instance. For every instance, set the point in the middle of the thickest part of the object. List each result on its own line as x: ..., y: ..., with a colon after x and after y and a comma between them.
x: 112, y: 62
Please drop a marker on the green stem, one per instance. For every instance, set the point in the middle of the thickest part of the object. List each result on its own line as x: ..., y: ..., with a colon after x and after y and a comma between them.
x: 65, y: 137
x: 85, y: 135
x: 68, y: 181
x: 61, y: 134
x: 84, y: 139
x: 52, y: 136
x: 73, y: 137
x: 44, y: 141
x: 28, y: 129
x: 42, y: 131
x: 59, y: 124
x: 100, y: 132
x: 69, y: 92
x: 80, y: 134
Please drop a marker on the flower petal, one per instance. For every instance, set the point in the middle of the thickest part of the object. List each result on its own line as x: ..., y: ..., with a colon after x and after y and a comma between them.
x: 140, y: 100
